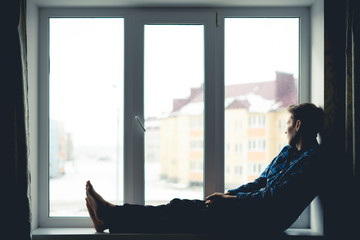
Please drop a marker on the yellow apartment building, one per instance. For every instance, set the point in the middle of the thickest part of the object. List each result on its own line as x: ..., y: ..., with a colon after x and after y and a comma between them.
x: 255, y: 124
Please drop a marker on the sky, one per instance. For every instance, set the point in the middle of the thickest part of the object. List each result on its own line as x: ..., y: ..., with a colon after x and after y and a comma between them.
x: 86, y: 77
x: 86, y: 67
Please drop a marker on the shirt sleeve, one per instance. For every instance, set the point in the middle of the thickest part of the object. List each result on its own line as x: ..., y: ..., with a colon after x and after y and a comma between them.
x: 295, y: 179
x: 257, y: 184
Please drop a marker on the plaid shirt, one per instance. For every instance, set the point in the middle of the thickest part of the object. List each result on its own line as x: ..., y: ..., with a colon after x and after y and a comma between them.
x: 289, y: 166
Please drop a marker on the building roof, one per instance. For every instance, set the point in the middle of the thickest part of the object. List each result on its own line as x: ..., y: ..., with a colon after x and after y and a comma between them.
x: 258, y: 96
x: 255, y: 97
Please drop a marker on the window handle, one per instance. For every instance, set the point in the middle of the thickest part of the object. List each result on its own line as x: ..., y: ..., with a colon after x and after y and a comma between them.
x: 139, y: 121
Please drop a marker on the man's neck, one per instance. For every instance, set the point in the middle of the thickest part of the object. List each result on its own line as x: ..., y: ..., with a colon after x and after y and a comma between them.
x: 304, y: 144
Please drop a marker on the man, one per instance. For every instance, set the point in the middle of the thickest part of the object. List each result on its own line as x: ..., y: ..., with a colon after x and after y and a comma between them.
x: 270, y: 204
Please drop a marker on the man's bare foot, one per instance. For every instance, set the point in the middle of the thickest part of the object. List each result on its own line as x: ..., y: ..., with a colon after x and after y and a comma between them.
x: 90, y: 190
x: 97, y: 203
x: 98, y: 224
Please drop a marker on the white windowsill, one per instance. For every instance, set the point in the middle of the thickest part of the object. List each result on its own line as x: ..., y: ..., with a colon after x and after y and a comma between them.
x: 89, y: 233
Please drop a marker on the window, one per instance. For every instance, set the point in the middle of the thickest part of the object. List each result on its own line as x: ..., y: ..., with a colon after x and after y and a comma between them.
x: 238, y: 125
x: 238, y: 170
x: 282, y: 124
x: 257, y: 121
x: 197, y: 122
x: 173, y: 80
x: 238, y: 147
x: 196, y: 145
x: 85, y: 110
x: 191, y: 123
x: 257, y: 96
x: 257, y: 145
x: 256, y: 168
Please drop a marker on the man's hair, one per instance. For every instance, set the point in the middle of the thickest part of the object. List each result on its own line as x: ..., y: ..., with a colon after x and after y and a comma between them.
x: 311, y: 117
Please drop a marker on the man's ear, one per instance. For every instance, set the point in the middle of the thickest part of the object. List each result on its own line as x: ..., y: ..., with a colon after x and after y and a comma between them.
x: 298, y: 125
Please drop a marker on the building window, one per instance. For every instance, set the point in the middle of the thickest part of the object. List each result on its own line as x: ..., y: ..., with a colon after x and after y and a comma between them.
x: 238, y: 170
x: 282, y: 124
x: 196, y: 145
x: 196, y: 123
x: 238, y: 125
x: 256, y: 168
x: 257, y: 121
x: 257, y: 145
x: 238, y: 147
x: 228, y: 147
x: 196, y: 166
x: 228, y: 170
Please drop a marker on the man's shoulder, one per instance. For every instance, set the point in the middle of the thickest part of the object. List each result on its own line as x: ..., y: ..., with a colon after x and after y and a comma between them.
x: 285, y: 150
x: 310, y: 157
x: 316, y: 150
x: 291, y: 149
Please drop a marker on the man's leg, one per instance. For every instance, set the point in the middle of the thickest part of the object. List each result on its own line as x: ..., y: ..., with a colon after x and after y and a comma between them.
x: 180, y: 216
x: 132, y: 218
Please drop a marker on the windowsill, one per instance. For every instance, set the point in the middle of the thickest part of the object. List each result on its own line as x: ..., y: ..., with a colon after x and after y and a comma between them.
x: 89, y: 233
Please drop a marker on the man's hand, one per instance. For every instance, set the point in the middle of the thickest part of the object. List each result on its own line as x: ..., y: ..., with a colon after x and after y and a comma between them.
x: 217, y: 197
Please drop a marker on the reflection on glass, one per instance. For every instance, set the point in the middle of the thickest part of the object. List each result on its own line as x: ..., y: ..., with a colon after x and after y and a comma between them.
x: 86, y: 111
x: 174, y: 107
x: 261, y: 80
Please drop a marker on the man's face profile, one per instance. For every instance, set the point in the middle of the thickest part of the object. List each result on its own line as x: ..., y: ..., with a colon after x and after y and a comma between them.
x: 291, y: 131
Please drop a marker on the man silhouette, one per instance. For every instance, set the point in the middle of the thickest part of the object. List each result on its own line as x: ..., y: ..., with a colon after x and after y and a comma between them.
x: 270, y: 204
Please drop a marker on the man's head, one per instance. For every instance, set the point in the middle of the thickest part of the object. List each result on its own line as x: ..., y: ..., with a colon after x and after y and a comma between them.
x: 305, y: 121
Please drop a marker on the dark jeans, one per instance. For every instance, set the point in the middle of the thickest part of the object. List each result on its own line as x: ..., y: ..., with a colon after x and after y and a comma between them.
x: 178, y: 216
x: 187, y: 216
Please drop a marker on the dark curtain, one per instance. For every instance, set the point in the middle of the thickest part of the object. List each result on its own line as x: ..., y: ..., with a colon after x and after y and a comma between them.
x: 341, y: 197
x: 15, y: 193
x: 352, y: 83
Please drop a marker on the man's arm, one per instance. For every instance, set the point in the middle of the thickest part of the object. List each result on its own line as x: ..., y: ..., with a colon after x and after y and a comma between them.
x: 300, y: 179
x: 218, y: 196
x: 257, y: 184
x: 261, y: 181
x: 232, y: 194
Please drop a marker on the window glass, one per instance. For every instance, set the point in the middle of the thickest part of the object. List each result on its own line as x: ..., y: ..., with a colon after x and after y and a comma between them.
x: 86, y: 111
x: 174, y: 108
x: 261, y: 80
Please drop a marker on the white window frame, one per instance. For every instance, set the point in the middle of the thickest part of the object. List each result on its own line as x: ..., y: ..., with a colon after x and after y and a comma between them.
x: 213, y: 21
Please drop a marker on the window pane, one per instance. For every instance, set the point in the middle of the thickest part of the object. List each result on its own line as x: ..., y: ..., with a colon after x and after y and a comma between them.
x: 86, y: 111
x: 261, y: 80
x: 174, y: 107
